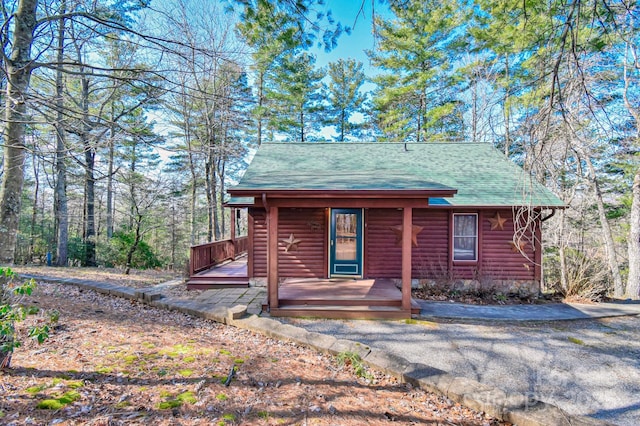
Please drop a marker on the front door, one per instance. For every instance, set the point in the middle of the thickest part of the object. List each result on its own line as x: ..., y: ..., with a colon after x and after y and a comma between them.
x: 346, y: 242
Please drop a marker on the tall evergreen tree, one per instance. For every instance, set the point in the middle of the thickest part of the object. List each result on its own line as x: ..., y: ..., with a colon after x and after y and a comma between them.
x: 416, y: 98
x: 344, y: 96
x: 295, y: 97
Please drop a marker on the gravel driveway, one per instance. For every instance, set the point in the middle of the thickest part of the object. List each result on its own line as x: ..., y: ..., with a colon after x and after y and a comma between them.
x: 586, y: 367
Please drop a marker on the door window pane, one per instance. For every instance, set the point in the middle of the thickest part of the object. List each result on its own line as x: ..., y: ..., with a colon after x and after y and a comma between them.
x: 346, y: 236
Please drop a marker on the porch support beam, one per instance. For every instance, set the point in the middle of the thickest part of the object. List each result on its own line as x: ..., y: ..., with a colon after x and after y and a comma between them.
x: 407, y: 227
x: 232, y: 224
x: 272, y: 257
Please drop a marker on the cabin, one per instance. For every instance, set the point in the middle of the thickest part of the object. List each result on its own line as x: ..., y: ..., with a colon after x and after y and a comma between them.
x: 344, y: 230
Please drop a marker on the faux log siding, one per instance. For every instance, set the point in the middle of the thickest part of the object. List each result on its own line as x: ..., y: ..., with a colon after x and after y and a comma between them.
x: 309, y: 258
x: 383, y: 257
x: 499, y: 261
x: 259, y: 238
x: 431, y: 258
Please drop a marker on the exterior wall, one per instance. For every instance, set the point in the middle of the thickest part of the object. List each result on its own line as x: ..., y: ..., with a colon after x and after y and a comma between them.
x: 499, y: 259
x: 431, y: 258
x: 383, y: 257
x: 498, y: 265
x: 307, y: 260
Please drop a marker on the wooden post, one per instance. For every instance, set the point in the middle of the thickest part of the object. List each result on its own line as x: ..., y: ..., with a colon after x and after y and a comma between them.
x: 407, y: 228
x: 233, y: 224
x: 272, y: 256
x: 232, y: 233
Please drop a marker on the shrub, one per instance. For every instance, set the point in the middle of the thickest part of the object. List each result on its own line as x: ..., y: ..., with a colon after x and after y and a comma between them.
x: 13, y: 311
x: 114, y: 253
x: 587, y: 274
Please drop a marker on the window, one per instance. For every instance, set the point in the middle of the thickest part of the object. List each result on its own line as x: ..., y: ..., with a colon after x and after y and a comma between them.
x: 465, y: 236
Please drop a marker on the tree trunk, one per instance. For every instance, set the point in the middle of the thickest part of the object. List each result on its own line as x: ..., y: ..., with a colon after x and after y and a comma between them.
x: 301, y: 123
x: 194, y: 197
x: 61, y: 208
x: 564, y: 281
x: 110, y: 177
x: 208, y: 179
x: 18, y: 71
x: 633, y: 282
x: 134, y: 246
x: 34, y: 210
x: 618, y: 287
x: 505, y: 109
x: 260, y: 104
x: 89, y: 235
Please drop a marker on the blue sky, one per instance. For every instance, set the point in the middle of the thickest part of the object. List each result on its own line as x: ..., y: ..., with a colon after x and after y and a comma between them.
x: 361, y: 38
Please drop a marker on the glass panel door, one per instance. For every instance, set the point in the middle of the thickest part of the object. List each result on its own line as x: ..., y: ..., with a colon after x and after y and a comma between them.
x: 346, y: 242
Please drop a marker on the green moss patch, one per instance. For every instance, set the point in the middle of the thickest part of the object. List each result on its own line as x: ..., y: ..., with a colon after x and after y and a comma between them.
x: 575, y: 340
x: 175, y: 402
x: 37, y: 389
x: 186, y: 372
x: 168, y: 405
x: 60, y: 402
x: 187, y: 397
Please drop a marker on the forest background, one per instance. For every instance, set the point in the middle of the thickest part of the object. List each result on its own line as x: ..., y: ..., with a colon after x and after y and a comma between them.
x: 124, y: 121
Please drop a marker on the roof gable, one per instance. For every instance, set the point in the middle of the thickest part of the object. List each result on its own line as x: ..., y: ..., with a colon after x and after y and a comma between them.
x: 481, y: 175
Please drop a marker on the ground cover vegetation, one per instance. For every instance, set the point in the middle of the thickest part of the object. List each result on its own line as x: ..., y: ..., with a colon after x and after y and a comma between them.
x: 124, y: 121
x: 111, y: 361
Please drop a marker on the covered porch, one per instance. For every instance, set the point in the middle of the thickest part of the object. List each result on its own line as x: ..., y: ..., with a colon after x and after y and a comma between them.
x: 340, y: 298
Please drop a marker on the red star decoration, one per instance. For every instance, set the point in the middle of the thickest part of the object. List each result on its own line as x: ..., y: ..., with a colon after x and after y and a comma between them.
x: 518, y: 247
x: 497, y: 222
x: 291, y: 243
x: 415, y: 230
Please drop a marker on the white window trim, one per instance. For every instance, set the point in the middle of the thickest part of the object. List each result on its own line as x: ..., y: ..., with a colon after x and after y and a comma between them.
x: 453, y: 238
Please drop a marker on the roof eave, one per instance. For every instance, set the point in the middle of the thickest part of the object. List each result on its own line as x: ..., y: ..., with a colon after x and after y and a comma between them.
x: 344, y: 193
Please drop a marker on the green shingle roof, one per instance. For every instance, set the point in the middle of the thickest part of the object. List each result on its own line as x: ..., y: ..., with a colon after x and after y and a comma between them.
x: 480, y: 173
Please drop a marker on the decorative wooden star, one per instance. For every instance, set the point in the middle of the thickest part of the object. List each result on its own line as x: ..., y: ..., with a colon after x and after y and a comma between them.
x: 291, y: 243
x: 415, y: 230
x: 518, y: 247
x: 497, y: 222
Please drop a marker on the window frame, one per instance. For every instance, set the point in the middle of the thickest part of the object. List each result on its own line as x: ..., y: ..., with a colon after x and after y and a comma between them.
x: 454, y: 237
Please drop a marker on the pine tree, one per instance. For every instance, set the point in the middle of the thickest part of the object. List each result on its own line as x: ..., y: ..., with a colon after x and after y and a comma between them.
x: 295, y: 97
x: 344, y: 96
x: 416, y: 98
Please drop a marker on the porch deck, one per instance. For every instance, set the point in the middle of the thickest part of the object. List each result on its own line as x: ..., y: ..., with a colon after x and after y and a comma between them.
x: 230, y: 274
x: 341, y: 298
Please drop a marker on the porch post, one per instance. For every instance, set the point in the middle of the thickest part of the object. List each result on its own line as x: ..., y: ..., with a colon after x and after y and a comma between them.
x: 233, y: 224
x: 232, y: 233
x: 272, y: 257
x: 407, y: 228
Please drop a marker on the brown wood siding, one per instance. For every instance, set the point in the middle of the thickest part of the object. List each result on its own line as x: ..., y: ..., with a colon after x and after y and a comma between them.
x: 383, y: 256
x: 308, y: 259
x: 499, y: 260
x: 431, y: 257
x: 258, y: 257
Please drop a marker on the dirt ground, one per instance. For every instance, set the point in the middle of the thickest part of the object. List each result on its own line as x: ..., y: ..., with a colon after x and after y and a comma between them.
x: 112, y: 361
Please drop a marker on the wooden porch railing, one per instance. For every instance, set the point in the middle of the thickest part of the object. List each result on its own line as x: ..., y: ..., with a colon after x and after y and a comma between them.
x: 204, y: 256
